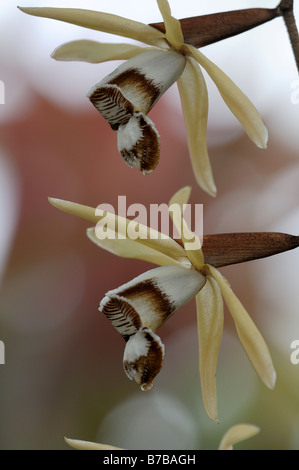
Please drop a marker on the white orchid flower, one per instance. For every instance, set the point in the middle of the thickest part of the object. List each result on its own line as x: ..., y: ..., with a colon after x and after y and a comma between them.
x: 126, y: 96
x: 138, y: 308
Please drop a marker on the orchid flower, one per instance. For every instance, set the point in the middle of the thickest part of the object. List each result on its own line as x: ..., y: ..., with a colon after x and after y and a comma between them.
x: 138, y: 308
x: 125, y: 97
x: 233, y: 435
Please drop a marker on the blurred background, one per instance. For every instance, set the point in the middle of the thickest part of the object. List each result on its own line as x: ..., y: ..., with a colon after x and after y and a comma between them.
x: 63, y: 371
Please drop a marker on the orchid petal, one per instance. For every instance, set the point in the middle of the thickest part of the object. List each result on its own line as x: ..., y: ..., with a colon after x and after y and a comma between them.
x: 235, y: 99
x: 194, y: 99
x: 176, y: 212
x: 86, y: 445
x: 84, y: 212
x: 237, y: 433
x: 167, y: 252
x: 182, y: 196
x: 209, y: 305
x: 95, y: 52
x: 125, y: 237
x: 250, y: 337
x: 173, y: 29
x: 192, y: 243
x: 101, y: 21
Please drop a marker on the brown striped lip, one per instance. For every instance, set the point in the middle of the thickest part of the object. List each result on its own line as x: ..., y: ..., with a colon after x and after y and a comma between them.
x: 113, y: 106
x: 151, y: 298
x: 121, y: 97
x: 143, y: 358
x: 122, y: 316
x: 139, y: 307
x: 126, y: 95
x: 138, y: 143
x: 143, y: 91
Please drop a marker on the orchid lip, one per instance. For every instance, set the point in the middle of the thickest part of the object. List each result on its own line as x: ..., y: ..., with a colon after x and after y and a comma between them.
x: 143, y: 358
x: 151, y: 298
x: 126, y: 95
x: 139, y: 307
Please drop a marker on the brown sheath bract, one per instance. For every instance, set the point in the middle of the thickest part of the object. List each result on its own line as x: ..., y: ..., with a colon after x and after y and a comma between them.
x: 232, y: 248
x: 207, y: 29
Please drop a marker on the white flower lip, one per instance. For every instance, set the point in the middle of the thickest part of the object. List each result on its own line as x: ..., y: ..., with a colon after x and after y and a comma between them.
x: 138, y: 143
x: 144, y: 78
x: 126, y: 95
x: 138, y: 308
x: 143, y: 358
x: 151, y: 298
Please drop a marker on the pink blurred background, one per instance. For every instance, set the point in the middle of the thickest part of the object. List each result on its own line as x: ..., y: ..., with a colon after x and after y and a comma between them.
x: 63, y: 373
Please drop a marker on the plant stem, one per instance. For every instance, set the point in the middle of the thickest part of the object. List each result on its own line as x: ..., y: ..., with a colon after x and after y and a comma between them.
x: 286, y: 11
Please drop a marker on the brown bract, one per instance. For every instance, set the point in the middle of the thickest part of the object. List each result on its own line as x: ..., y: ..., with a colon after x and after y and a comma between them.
x: 207, y: 29
x: 223, y: 249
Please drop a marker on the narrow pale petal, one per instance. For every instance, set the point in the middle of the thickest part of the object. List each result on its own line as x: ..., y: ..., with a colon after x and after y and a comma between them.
x: 85, y: 212
x: 236, y: 434
x: 125, y: 237
x: 173, y: 28
x: 190, y: 240
x: 177, y: 201
x: 162, y: 252
x: 86, y: 445
x: 250, y: 337
x: 148, y: 300
x: 195, y: 104
x: 95, y: 52
x: 182, y: 196
x: 235, y: 99
x: 209, y: 305
x: 104, y: 22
